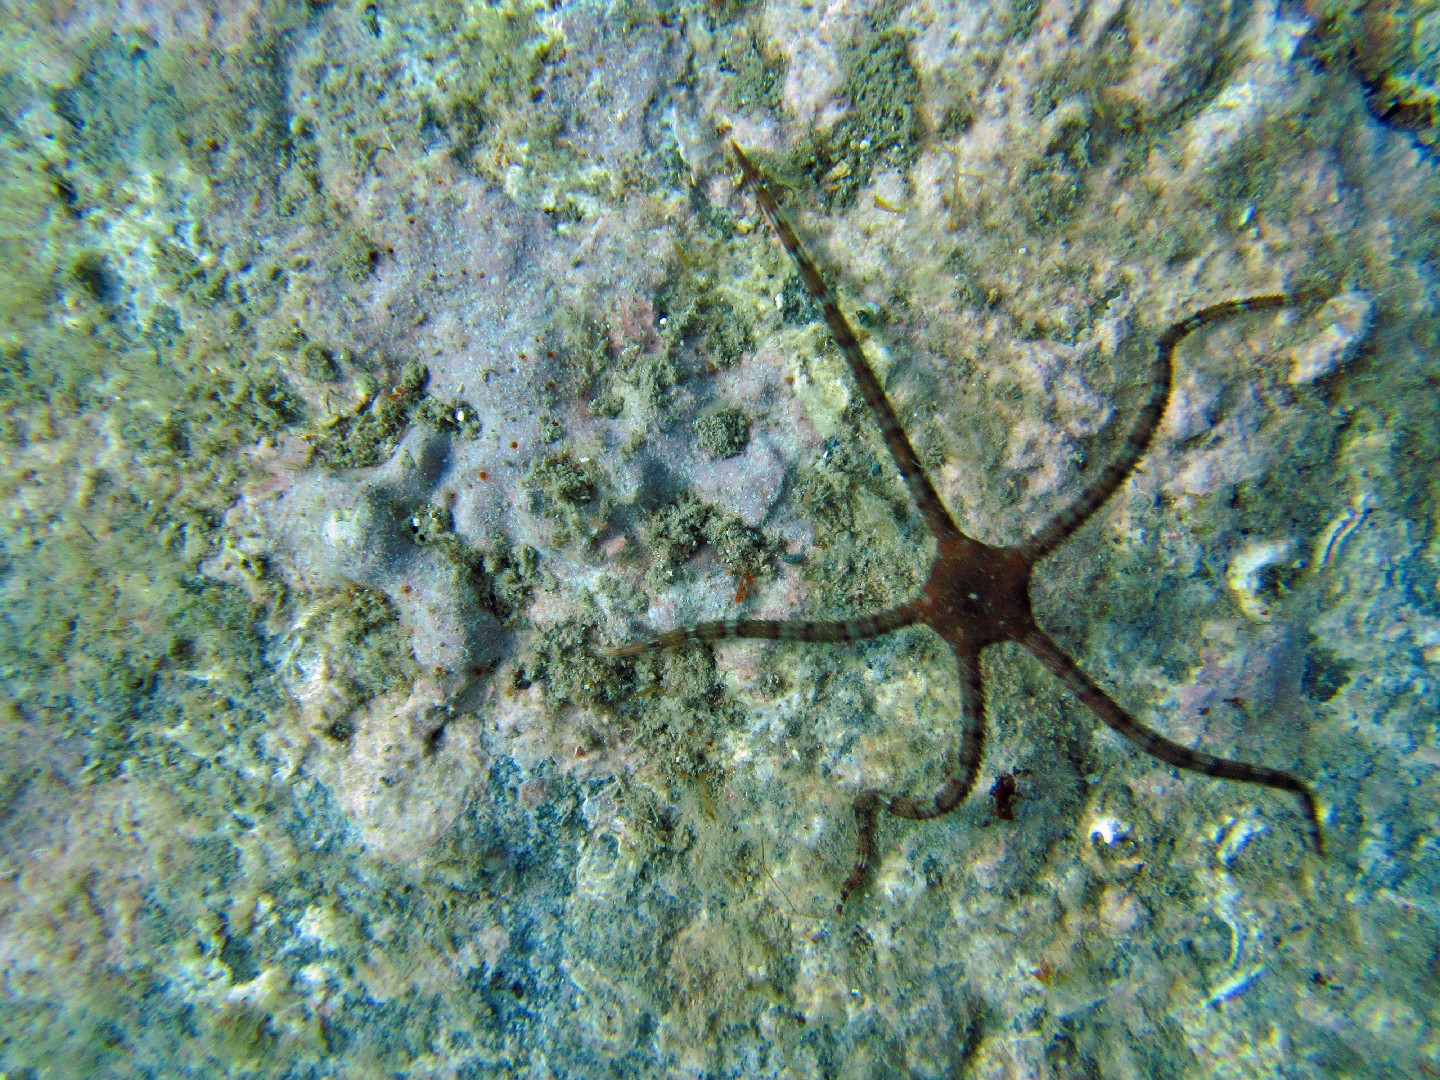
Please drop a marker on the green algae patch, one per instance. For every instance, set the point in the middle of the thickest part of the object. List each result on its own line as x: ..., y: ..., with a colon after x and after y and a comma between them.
x: 869, y: 552
x: 356, y: 256
x: 744, y: 551
x: 692, y: 310
x: 188, y: 277
x: 514, y: 574
x: 502, y: 576
x: 683, y: 713
x: 565, y: 481
x: 582, y: 357
x: 672, y: 534
x: 487, y: 95
x: 723, y: 433
x: 676, y: 531
x: 453, y: 415
x: 132, y: 384
x: 565, y: 661
x: 358, y: 631
x: 757, y: 75
x: 369, y: 434
x: 1053, y: 184
x: 569, y: 490
x: 697, y: 330
x: 880, y: 128
x: 664, y: 711
x: 641, y: 381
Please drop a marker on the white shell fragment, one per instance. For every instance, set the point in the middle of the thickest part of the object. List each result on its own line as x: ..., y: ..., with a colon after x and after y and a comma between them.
x: 1234, y: 837
x: 1107, y: 829
x: 1243, y: 577
x: 1345, y: 321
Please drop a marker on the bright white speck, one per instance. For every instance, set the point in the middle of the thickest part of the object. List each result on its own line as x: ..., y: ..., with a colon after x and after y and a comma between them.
x: 1108, y: 829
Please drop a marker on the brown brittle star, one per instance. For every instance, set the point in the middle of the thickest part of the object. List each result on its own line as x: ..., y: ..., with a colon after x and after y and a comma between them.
x: 978, y: 594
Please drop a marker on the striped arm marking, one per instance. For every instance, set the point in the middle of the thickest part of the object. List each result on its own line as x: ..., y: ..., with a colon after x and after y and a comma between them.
x: 775, y: 630
x: 937, y: 519
x: 959, y: 781
x: 1142, y: 429
x: 1157, y: 746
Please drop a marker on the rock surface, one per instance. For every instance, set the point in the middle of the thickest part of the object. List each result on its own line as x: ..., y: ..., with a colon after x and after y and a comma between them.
x: 352, y: 360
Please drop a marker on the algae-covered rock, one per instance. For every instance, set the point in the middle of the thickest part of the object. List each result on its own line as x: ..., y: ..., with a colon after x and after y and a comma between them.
x: 368, y: 372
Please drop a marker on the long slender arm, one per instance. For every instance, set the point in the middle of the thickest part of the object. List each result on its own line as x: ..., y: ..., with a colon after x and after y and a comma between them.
x: 937, y: 519
x: 1142, y: 429
x: 1157, y: 746
x: 960, y: 778
x: 868, y: 626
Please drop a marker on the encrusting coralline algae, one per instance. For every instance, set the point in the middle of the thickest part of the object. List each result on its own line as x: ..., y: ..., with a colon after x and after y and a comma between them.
x: 367, y: 369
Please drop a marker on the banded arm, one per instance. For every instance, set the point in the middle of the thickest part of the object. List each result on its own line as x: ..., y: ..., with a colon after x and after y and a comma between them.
x: 1142, y: 429
x: 960, y: 776
x: 1156, y: 745
x: 927, y: 500
x: 859, y: 629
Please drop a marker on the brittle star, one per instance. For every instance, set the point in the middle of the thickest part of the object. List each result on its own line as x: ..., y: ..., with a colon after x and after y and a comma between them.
x: 978, y: 594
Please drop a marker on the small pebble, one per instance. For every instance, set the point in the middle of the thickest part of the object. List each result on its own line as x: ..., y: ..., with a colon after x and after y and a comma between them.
x: 1346, y: 321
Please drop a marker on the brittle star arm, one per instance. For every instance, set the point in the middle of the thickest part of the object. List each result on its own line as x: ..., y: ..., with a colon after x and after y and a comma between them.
x: 937, y: 519
x: 858, y: 629
x: 1156, y: 745
x: 959, y: 779
x: 1142, y: 429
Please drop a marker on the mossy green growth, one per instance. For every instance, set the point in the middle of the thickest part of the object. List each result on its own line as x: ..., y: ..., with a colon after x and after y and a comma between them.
x: 188, y: 276
x: 583, y: 359
x: 570, y: 668
x: 356, y: 255
x: 723, y: 433
x: 358, y: 631
x: 487, y: 104
x: 676, y: 531
x: 252, y: 397
x: 112, y: 610
x: 643, y: 379
x: 869, y: 546
x: 671, y: 705
x: 797, y: 305
x: 317, y: 362
x: 569, y: 490
x: 724, y: 335
x: 502, y: 577
x: 677, y: 722
x: 514, y: 573
x: 565, y: 480
x: 880, y: 128
x: 222, y: 112
x: 757, y: 75
x: 693, y: 311
x: 745, y: 552
x: 672, y: 534
x: 369, y: 435
x: 454, y: 415
x: 1053, y: 183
